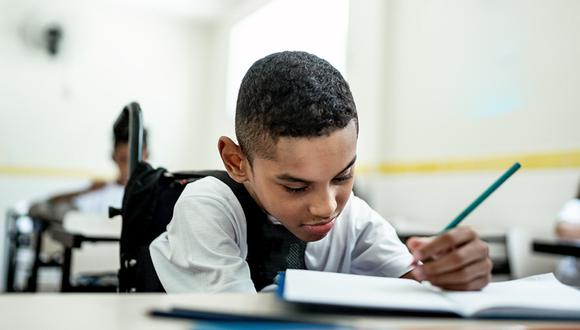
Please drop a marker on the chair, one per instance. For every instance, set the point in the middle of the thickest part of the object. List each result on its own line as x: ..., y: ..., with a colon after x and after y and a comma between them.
x: 524, y: 262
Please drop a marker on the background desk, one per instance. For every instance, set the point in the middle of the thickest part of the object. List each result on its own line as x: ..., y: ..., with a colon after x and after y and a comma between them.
x: 115, y: 311
x: 70, y: 241
x: 76, y: 229
x: 557, y: 246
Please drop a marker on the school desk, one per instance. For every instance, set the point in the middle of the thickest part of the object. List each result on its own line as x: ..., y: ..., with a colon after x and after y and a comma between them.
x: 557, y: 246
x: 130, y: 311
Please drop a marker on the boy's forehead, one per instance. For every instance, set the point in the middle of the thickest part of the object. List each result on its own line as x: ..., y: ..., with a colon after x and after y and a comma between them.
x: 311, y: 154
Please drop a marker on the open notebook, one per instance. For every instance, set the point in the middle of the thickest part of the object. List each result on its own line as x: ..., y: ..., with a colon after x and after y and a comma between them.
x: 540, y: 296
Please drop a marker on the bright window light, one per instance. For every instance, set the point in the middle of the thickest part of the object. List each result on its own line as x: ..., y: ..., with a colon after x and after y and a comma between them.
x: 315, y: 26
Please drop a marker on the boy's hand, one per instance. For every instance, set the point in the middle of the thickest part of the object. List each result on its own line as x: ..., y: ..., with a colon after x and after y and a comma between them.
x: 454, y: 260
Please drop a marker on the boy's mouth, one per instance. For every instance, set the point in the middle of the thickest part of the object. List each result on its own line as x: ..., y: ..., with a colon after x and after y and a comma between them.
x: 320, y: 223
x: 319, y: 229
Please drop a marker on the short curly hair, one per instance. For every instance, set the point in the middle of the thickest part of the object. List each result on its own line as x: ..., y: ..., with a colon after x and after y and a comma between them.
x: 290, y: 94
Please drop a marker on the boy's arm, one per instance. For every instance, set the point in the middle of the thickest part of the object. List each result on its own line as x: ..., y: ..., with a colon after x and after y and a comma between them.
x: 454, y: 260
x: 68, y: 197
x: 57, y: 206
x: 203, y: 248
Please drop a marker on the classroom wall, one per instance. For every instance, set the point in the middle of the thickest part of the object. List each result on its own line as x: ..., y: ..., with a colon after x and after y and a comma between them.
x: 109, y: 57
x: 56, y: 113
x: 460, y: 90
x: 465, y: 78
x: 217, y: 116
x: 483, y: 78
x: 367, y: 58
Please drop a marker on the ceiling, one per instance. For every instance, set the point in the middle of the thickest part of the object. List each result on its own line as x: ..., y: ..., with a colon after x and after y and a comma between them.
x: 199, y: 10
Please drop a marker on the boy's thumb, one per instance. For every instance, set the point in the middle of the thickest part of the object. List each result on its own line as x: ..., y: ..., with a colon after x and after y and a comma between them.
x: 414, y: 243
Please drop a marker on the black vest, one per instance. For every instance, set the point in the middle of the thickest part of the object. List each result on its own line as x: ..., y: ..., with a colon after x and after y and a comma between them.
x: 271, y: 248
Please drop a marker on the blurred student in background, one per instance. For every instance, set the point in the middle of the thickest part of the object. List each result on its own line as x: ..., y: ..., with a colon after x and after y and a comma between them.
x: 97, y: 198
x: 568, y: 227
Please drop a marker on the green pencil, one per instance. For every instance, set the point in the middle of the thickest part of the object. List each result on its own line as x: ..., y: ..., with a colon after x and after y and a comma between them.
x: 482, y: 197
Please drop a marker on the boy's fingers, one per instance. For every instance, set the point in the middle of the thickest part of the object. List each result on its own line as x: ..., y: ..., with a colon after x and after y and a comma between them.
x: 464, y: 276
x: 443, y: 243
x: 415, y: 242
x: 456, y: 259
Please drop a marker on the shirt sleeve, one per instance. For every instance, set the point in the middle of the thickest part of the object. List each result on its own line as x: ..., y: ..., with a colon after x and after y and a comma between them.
x: 570, y: 212
x: 204, y: 248
x: 362, y: 242
x: 377, y: 250
x: 99, y: 201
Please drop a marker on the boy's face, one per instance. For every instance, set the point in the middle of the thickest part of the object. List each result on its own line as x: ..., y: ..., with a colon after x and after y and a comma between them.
x: 308, y: 182
x: 121, y: 158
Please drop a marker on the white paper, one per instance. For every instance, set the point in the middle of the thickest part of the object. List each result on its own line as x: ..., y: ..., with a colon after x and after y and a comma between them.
x: 538, y: 296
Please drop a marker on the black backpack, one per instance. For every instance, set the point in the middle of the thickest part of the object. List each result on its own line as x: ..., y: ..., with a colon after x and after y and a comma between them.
x: 147, y: 209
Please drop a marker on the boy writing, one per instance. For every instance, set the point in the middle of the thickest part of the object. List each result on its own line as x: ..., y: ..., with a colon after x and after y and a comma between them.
x: 297, y: 129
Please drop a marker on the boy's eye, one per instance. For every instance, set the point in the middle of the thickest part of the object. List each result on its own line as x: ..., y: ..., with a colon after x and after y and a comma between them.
x: 295, y: 190
x: 342, y: 178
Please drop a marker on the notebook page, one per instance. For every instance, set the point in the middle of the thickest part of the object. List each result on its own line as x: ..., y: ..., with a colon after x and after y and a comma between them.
x: 529, y: 296
x: 362, y: 291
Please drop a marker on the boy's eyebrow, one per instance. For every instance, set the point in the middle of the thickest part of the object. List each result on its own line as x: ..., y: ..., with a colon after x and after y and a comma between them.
x: 288, y: 177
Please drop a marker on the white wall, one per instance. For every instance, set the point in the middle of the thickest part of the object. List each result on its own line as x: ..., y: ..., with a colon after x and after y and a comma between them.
x: 217, y: 119
x: 109, y: 57
x: 57, y: 112
x: 367, y: 60
x: 458, y: 78
x: 530, y: 199
x: 454, y: 80
x: 483, y: 77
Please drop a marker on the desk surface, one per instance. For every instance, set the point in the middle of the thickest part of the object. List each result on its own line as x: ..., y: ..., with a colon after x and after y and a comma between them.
x: 116, y: 311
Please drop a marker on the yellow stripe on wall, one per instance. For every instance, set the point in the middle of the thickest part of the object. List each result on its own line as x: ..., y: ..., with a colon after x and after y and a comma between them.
x: 52, y: 172
x: 548, y: 160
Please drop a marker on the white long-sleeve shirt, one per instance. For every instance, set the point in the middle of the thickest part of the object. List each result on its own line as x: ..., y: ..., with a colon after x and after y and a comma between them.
x: 205, y: 246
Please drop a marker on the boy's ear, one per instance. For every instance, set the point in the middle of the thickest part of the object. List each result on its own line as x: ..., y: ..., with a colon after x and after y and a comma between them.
x: 233, y: 158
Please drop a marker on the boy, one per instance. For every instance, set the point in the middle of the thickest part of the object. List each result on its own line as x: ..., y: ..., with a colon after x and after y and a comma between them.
x: 297, y: 129
x: 96, y: 198
x: 568, y: 228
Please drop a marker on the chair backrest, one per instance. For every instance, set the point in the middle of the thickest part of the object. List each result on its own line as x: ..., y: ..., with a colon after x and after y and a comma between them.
x: 524, y: 261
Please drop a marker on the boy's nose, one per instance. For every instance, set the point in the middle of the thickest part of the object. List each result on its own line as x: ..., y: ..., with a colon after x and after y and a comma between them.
x: 323, y: 205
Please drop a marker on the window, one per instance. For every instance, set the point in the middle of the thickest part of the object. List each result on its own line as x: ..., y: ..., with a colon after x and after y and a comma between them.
x: 315, y: 26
